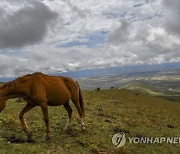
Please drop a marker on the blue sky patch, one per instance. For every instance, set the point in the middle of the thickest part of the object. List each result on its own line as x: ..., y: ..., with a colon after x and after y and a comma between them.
x: 93, y: 40
x: 14, y: 53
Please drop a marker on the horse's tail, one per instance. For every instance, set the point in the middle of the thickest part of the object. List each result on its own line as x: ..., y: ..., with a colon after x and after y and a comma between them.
x: 81, y: 100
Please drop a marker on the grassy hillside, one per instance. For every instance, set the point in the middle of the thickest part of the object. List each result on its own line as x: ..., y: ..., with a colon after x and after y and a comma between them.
x: 169, y: 94
x: 107, y: 112
x: 144, y: 88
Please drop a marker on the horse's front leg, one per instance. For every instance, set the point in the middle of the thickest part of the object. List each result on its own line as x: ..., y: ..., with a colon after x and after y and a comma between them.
x: 44, y: 108
x: 23, y: 124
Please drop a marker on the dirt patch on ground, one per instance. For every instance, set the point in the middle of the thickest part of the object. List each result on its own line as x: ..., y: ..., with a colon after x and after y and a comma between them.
x: 13, y: 139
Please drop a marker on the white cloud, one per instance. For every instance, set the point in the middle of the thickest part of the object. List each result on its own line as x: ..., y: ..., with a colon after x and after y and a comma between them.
x: 54, y: 36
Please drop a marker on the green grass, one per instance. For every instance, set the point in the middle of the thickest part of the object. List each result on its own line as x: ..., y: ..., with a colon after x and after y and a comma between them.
x: 107, y: 112
x: 173, y: 95
x: 144, y: 88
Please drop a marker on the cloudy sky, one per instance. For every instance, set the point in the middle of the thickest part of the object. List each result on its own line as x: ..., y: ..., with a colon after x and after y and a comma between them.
x: 65, y: 35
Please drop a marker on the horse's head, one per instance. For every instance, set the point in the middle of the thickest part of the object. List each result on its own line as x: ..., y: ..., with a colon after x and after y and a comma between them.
x: 2, y: 102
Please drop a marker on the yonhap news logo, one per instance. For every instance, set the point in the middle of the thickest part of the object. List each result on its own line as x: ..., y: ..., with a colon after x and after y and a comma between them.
x: 120, y: 139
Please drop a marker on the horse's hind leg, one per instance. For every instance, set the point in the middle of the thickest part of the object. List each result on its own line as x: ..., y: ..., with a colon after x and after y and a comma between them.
x: 76, y: 103
x: 23, y: 124
x: 69, y: 111
x: 44, y: 108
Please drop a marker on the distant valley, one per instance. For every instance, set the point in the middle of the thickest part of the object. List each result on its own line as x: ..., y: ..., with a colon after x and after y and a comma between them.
x: 162, y: 80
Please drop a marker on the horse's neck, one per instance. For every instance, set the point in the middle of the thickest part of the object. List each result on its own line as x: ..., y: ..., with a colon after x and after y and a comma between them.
x: 21, y: 90
x: 9, y: 96
x: 10, y: 92
x: 7, y: 93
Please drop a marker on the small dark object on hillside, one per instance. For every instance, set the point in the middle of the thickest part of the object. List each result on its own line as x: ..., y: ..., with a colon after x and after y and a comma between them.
x: 14, y: 139
x: 19, y: 100
x: 112, y: 87
x: 170, y: 126
x: 117, y: 129
x: 105, y: 115
x: 108, y: 121
x: 98, y: 89
x: 100, y: 108
x: 137, y: 94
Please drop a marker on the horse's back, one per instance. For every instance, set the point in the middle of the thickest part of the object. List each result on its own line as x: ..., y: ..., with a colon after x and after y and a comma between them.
x: 57, y: 89
x: 62, y: 81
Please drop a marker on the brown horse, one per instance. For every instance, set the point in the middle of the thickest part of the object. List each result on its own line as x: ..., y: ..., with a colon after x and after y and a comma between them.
x: 42, y: 90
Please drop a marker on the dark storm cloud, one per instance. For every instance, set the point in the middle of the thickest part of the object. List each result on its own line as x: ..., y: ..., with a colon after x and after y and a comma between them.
x: 121, y: 34
x: 26, y: 26
x: 173, y: 18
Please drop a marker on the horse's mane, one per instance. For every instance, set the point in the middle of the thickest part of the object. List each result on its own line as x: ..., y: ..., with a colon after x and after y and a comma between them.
x: 10, y: 84
x: 13, y: 84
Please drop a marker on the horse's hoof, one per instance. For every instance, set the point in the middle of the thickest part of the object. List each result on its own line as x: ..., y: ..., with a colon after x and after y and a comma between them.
x: 47, y: 137
x: 65, y: 129
x: 83, y: 128
x: 29, y: 136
